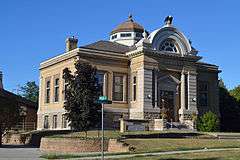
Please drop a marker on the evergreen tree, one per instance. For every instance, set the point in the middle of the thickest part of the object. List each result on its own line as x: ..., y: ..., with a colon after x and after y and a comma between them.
x: 236, y: 93
x: 30, y: 91
x: 229, y: 109
x: 81, y: 95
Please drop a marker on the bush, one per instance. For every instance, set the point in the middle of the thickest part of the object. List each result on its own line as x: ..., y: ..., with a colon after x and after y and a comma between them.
x: 209, y: 122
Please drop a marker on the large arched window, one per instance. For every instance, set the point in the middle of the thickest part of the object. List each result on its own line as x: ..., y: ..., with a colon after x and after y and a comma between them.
x: 169, y: 46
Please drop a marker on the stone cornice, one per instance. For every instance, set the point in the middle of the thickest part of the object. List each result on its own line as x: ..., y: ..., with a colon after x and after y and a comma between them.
x: 146, y: 51
x: 79, y: 52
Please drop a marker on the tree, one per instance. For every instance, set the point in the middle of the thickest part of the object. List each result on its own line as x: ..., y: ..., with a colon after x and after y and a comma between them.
x: 30, y: 91
x: 81, y: 95
x: 209, y: 122
x: 229, y: 110
x: 9, y: 115
x: 236, y: 93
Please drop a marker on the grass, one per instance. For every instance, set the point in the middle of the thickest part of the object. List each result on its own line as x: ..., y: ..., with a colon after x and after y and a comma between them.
x: 117, y: 134
x: 220, y: 155
x: 159, y: 145
x: 165, y: 144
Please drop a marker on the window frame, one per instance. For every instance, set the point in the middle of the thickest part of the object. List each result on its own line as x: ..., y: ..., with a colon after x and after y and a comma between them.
x: 54, y: 122
x: 48, y: 90
x: 124, y: 88
x: 203, y: 91
x: 56, y: 97
x: 64, y: 121
x: 46, y: 122
x: 134, y: 88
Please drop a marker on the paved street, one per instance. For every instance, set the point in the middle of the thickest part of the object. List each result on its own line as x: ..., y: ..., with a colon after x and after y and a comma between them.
x: 19, y: 153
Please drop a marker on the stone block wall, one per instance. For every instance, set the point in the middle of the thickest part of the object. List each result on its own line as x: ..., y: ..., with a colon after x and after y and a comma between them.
x: 76, y: 145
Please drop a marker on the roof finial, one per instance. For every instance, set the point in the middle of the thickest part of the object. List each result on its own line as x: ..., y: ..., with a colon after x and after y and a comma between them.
x: 130, y: 17
x: 168, y: 20
x: 145, y: 34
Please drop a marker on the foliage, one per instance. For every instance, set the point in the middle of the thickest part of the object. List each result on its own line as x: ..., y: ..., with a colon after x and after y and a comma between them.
x: 30, y: 91
x: 229, y: 110
x: 209, y: 122
x: 9, y: 115
x: 81, y: 95
x: 236, y: 93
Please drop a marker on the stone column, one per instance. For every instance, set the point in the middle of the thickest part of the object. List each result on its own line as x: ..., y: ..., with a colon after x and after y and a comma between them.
x: 182, y: 94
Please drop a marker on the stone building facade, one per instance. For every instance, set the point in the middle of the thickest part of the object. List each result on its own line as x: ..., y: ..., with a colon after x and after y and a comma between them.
x: 145, y: 74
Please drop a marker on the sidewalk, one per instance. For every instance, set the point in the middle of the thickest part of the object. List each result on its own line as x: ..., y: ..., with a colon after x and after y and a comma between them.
x: 155, y: 153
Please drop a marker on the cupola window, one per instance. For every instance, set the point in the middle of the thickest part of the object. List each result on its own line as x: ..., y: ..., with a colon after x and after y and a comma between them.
x: 125, y: 34
x: 169, y: 46
x: 114, y: 36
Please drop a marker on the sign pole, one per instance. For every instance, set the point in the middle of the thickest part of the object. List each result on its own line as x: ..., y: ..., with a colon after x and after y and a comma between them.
x: 102, y: 134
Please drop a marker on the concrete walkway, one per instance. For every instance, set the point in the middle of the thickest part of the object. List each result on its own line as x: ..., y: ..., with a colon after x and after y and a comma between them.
x: 156, y: 153
x: 19, y: 152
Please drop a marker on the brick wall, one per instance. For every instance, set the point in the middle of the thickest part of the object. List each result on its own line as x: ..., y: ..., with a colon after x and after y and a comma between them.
x: 71, y: 145
x: 76, y: 145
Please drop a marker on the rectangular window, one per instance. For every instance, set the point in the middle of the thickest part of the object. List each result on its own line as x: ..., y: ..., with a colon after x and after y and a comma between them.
x: 46, y: 124
x: 125, y: 34
x: 118, y: 87
x: 203, y: 93
x: 47, y: 92
x: 64, y: 121
x: 100, y: 80
x: 134, y: 88
x: 54, y: 121
x: 56, y: 90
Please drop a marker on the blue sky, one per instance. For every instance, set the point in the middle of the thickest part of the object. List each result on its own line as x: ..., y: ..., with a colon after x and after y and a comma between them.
x: 33, y: 31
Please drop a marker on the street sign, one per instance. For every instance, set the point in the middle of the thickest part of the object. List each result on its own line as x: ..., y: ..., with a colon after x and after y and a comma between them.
x: 104, y: 100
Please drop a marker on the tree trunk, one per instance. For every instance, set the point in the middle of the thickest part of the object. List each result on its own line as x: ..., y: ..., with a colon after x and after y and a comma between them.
x: 85, y: 134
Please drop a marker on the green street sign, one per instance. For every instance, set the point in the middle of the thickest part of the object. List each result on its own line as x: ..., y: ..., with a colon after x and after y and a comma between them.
x: 103, y: 98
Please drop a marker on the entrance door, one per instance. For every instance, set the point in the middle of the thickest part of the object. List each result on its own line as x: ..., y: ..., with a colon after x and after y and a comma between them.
x: 167, y: 102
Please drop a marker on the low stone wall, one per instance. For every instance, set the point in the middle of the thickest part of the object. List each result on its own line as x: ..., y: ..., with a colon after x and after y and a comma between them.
x: 76, y: 145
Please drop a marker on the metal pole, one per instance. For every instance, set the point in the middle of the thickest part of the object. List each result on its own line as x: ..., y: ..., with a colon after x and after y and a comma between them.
x: 102, y: 134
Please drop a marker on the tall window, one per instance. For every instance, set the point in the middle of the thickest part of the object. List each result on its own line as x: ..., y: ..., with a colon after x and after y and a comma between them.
x: 46, y: 123
x: 54, y: 121
x: 47, y: 96
x: 134, y: 88
x: 64, y: 121
x: 203, y: 93
x: 118, y: 88
x: 56, y: 90
x: 100, y: 79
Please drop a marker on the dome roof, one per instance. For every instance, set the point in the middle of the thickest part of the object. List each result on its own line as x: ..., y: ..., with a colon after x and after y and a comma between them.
x: 127, y: 26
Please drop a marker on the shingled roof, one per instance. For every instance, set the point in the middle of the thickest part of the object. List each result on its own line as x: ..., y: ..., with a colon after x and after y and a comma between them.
x: 109, y: 46
x: 128, y: 26
x: 6, y: 95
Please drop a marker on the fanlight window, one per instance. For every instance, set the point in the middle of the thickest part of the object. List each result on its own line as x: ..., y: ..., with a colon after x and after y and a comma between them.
x: 169, y: 46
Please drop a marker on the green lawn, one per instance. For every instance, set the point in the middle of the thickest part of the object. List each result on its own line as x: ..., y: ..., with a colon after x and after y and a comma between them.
x: 221, y: 155
x: 167, y: 144
x: 117, y: 134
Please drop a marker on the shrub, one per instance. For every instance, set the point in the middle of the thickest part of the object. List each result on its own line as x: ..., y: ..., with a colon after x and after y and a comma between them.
x: 209, y: 122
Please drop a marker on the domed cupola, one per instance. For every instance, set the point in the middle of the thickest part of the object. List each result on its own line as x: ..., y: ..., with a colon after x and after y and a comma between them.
x: 127, y: 33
